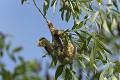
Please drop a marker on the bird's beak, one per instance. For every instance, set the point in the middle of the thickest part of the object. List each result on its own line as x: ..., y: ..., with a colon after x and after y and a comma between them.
x: 38, y: 44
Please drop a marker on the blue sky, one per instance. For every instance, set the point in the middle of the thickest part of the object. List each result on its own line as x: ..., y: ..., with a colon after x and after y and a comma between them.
x: 26, y: 25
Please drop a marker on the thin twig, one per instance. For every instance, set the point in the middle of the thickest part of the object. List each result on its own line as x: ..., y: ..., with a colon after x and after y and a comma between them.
x: 39, y: 9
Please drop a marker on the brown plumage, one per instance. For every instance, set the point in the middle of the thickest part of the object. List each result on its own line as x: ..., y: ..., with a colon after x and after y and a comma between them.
x: 43, y: 42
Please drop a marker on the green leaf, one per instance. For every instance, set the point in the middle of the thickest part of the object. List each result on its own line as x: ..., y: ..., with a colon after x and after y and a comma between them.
x: 86, y: 57
x: 84, y: 9
x: 62, y: 15
x: 59, y: 71
x: 17, y: 49
x: 83, y: 39
x: 94, y: 17
x: 1, y: 53
x: 100, y: 49
x: 117, y: 66
x: 67, y: 72
x: 113, y: 77
x: 83, y: 0
x: 44, y: 55
x: 102, y: 16
x: 54, y: 3
x: 117, y: 13
x: 82, y: 64
x: 102, y: 77
x: 21, y: 59
x: 74, y: 26
x: 100, y: 55
x: 101, y: 37
x: 1, y: 43
x: 8, y: 46
x: 51, y: 64
x: 46, y: 6
x: 110, y: 70
x: 92, y: 57
x: 13, y: 57
x: 73, y: 75
x: 77, y: 26
x: 68, y: 14
x: 85, y: 32
x: 81, y: 24
x: 22, y: 1
x: 88, y: 40
x: 99, y: 1
x: 102, y: 45
x: 115, y: 4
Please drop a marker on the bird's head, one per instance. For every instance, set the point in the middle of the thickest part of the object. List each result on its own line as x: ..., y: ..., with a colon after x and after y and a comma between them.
x: 42, y: 42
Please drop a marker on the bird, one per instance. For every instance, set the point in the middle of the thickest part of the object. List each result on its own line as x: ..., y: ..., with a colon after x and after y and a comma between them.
x: 43, y: 42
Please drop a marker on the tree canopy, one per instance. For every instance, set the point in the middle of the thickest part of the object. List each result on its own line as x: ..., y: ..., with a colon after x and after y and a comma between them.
x: 86, y: 51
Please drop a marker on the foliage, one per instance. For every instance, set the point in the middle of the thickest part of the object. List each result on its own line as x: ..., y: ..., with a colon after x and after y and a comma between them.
x: 89, y: 34
x: 97, y: 21
x: 25, y: 70
x: 94, y: 27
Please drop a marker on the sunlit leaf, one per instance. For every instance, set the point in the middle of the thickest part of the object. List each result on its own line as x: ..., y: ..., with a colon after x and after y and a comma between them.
x: 113, y: 24
x: 94, y: 17
x: 86, y: 57
x: 54, y: 3
x: 102, y: 16
x: 79, y: 25
x: 84, y: 9
x: 102, y: 77
x: 82, y: 64
x: 113, y: 77
x: 110, y: 70
x: 46, y: 6
x: 59, y: 71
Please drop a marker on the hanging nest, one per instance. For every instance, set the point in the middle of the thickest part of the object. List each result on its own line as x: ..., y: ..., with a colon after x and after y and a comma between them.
x: 68, y: 50
x: 62, y: 46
